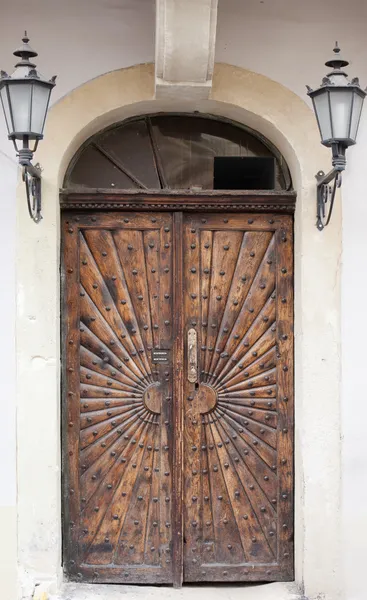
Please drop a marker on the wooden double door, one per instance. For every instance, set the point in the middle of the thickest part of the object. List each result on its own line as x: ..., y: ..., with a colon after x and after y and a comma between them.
x: 177, y: 397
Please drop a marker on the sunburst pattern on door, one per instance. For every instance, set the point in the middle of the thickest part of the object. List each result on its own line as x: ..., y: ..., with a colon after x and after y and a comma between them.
x: 178, y: 448
x: 231, y: 416
x: 125, y: 312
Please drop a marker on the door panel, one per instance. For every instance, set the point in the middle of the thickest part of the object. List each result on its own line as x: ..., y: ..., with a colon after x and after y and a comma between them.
x: 238, y: 414
x: 118, y: 308
x: 177, y: 397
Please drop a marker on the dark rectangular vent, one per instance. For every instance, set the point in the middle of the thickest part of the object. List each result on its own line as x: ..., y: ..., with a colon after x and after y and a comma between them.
x: 244, y: 173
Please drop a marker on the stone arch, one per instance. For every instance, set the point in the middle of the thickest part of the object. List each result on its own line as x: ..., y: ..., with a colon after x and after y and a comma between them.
x: 283, y: 118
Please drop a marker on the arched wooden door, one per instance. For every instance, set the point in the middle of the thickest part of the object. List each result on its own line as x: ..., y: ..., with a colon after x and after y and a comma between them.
x: 178, y: 395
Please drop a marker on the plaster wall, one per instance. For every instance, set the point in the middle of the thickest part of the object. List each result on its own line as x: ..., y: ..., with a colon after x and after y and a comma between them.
x: 285, y: 40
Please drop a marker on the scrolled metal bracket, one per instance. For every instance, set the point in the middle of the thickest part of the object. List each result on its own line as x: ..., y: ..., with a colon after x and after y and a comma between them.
x: 328, y: 184
x: 32, y: 180
x: 326, y: 196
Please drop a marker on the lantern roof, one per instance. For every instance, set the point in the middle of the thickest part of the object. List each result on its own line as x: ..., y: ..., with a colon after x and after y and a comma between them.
x: 337, y: 77
x: 24, y: 68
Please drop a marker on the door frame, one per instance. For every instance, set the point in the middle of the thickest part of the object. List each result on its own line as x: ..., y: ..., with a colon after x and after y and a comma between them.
x: 177, y: 203
x: 214, y: 201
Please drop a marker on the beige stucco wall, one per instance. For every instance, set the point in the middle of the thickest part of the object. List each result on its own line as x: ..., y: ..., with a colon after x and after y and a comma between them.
x: 285, y: 119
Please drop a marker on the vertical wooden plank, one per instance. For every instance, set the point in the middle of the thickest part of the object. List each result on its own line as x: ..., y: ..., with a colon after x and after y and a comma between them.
x: 193, y: 500
x: 167, y: 430
x: 285, y: 405
x: 70, y: 376
x: 178, y: 385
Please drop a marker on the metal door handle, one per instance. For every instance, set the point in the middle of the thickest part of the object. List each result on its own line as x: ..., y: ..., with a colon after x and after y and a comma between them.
x: 192, y: 364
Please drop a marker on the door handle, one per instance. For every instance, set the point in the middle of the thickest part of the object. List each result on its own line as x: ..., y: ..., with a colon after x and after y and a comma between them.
x: 192, y: 364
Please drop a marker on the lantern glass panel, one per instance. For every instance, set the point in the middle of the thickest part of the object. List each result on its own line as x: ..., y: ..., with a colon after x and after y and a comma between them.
x: 20, y: 99
x: 6, y: 108
x: 341, y: 108
x: 322, y: 110
x: 40, y: 99
x: 356, y: 115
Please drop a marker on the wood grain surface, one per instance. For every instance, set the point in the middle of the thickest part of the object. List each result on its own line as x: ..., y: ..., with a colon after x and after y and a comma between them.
x: 167, y: 480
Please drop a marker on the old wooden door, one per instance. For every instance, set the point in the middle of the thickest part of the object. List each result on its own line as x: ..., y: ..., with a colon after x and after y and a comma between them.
x: 178, y: 378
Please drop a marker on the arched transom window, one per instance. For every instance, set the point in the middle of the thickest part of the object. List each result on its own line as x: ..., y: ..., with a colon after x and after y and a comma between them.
x: 178, y: 152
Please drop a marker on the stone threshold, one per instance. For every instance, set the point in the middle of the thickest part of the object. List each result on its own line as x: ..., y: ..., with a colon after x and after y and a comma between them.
x: 261, y: 591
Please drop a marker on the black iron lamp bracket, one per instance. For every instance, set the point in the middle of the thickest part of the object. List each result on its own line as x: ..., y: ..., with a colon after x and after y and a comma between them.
x: 326, y: 195
x: 31, y: 175
x: 327, y: 186
x: 32, y: 179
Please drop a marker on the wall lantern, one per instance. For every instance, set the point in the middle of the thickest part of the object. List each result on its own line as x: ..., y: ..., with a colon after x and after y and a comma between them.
x: 338, y: 105
x: 25, y: 97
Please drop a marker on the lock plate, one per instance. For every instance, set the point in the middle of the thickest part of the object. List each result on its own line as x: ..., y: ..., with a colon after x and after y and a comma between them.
x: 192, y: 353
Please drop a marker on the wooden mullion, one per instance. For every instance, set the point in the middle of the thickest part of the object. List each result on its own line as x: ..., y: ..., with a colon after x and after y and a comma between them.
x: 119, y: 165
x: 156, y: 156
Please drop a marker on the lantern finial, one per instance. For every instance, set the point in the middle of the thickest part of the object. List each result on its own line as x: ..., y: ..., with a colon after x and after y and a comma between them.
x: 337, y: 62
x: 25, y: 52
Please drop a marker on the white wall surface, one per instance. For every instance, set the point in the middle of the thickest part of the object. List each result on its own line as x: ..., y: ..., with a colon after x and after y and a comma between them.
x: 8, y: 172
x: 289, y: 40
x: 286, y: 40
x: 354, y: 405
